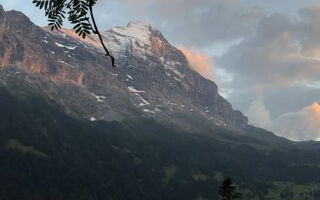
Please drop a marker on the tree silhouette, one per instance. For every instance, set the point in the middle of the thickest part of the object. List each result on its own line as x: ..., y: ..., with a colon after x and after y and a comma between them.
x: 78, y: 12
x: 229, y: 191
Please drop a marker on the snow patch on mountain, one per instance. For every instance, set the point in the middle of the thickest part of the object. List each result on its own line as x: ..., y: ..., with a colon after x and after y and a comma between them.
x: 148, y: 111
x: 100, y: 99
x: 132, y: 89
x: 64, y: 46
x: 129, y: 76
x: 92, y: 119
x: 144, y: 102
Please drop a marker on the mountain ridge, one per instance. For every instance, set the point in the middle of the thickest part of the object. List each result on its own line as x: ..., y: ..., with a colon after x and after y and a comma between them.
x: 151, y: 72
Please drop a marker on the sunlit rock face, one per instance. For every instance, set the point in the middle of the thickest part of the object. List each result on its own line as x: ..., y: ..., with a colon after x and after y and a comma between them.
x: 151, y: 79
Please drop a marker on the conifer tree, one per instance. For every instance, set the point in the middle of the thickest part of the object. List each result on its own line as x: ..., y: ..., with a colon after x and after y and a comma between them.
x: 229, y: 191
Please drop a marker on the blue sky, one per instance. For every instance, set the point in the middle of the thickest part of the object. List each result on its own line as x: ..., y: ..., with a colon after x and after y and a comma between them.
x: 264, y: 53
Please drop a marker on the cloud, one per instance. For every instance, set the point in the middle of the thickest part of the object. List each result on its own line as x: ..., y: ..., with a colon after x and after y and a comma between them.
x: 258, y: 114
x: 300, y: 125
x: 310, y: 31
x: 290, y: 99
x: 199, y: 23
x: 282, y: 56
x: 274, y: 56
x: 199, y: 62
x: 314, y: 116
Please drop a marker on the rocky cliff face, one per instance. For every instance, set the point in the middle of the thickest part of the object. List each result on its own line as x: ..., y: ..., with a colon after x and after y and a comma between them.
x: 152, y: 78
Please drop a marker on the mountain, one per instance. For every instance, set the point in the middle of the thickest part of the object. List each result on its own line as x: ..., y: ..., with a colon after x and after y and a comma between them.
x: 152, y: 77
x: 74, y: 127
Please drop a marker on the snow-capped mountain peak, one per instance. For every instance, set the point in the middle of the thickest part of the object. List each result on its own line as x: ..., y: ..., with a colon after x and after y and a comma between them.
x: 134, y: 37
x: 136, y: 30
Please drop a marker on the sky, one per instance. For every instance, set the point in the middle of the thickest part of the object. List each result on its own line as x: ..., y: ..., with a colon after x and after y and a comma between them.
x: 263, y: 54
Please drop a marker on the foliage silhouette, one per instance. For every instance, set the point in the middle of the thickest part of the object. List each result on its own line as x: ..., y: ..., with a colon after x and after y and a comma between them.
x: 77, y: 12
x: 229, y: 191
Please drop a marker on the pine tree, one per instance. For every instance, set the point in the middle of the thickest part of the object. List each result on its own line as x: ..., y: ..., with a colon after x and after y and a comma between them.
x: 229, y: 191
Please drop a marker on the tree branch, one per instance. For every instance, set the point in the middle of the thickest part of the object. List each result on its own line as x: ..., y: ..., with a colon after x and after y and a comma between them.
x: 95, y: 30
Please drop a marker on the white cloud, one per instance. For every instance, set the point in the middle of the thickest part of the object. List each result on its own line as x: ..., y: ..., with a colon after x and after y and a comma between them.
x: 300, y: 125
x: 258, y: 114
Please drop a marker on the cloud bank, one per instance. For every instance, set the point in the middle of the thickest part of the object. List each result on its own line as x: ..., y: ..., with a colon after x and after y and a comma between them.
x: 283, y: 57
x: 301, y: 125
